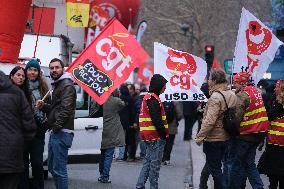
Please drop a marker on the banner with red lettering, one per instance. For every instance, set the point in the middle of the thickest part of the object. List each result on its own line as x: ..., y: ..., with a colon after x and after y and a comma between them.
x: 185, y: 74
x: 255, y: 48
x: 145, y: 72
x: 107, y: 62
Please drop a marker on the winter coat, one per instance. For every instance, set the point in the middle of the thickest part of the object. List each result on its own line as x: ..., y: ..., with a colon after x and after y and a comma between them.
x: 61, y: 111
x: 113, y: 134
x: 271, y: 161
x: 212, y: 122
x: 127, y: 114
x: 173, y: 126
x: 156, y: 85
x: 190, y: 108
x: 17, y: 126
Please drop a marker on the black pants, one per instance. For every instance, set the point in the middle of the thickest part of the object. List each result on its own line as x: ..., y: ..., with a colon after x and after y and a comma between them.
x: 33, y: 154
x: 274, y: 181
x: 168, y: 147
x: 204, y: 177
x: 10, y: 180
x: 131, y: 144
x: 189, y: 121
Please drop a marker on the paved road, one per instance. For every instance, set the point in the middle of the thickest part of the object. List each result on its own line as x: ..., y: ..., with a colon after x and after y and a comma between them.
x: 124, y: 175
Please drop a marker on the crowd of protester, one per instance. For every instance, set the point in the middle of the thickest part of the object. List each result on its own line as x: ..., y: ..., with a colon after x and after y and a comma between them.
x: 136, y: 118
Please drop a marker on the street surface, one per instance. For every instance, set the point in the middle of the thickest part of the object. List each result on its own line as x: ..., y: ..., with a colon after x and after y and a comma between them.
x: 124, y: 174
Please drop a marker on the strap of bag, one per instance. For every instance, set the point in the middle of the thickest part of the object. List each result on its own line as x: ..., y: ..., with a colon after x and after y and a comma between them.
x: 223, y: 98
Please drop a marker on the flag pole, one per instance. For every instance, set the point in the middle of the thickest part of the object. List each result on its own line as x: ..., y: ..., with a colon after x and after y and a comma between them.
x: 237, y: 44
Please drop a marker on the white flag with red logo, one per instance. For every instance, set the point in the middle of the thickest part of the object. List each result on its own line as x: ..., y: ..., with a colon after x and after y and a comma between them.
x: 255, y: 48
x: 185, y: 74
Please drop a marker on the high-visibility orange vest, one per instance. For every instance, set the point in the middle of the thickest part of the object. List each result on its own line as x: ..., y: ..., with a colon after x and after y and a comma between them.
x: 255, y: 119
x: 276, y: 132
x: 147, y: 129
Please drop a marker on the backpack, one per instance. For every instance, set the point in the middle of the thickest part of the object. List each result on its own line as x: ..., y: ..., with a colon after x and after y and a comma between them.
x: 170, y: 111
x: 230, y: 123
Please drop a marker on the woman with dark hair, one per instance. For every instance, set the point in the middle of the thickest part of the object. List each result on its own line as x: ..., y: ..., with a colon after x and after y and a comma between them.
x: 18, y: 78
x: 34, y: 150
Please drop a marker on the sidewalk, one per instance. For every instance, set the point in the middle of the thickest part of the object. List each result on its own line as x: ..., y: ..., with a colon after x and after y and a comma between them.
x: 198, y: 160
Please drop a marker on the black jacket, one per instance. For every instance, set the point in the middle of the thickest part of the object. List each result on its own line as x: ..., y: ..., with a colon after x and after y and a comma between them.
x: 17, y: 126
x: 127, y: 114
x: 61, y: 111
x: 190, y: 108
x: 276, y: 111
x: 156, y: 85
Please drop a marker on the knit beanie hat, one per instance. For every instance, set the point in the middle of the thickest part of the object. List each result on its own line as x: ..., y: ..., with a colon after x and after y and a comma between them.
x: 33, y: 63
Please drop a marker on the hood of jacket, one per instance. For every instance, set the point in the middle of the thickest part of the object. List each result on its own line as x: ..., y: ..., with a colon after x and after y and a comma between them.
x: 157, y: 83
x: 5, y: 82
x: 218, y: 87
x: 124, y: 90
x: 65, y: 75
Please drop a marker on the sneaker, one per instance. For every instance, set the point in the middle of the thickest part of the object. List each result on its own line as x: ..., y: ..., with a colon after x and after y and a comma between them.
x: 104, y: 180
x: 167, y: 162
x: 130, y: 160
x: 119, y: 159
x: 140, y: 187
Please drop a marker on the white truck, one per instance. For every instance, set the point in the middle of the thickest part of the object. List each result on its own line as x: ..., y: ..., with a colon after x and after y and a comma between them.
x: 87, y: 131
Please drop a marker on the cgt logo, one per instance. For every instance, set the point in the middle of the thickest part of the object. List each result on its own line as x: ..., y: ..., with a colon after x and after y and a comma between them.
x: 258, y: 40
x: 183, y: 66
x: 113, y: 57
x: 98, y: 17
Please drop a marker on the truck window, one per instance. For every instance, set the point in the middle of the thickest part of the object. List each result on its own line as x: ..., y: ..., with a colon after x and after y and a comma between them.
x: 82, y: 99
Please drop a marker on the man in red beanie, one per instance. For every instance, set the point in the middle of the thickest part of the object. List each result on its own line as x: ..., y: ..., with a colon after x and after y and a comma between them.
x: 253, y: 122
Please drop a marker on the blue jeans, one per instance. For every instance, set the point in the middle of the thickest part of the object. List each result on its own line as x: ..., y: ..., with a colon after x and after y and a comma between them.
x: 244, y: 166
x: 215, y: 153
x: 142, y: 149
x: 58, y: 146
x: 121, y: 151
x: 105, y: 162
x: 151, y: 164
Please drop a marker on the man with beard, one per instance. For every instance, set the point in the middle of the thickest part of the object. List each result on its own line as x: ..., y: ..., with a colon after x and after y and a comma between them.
x: 61, y: 113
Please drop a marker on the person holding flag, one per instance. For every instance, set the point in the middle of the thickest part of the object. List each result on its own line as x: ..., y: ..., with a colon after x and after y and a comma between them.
x: 253, y: 122
x: 154, y: 131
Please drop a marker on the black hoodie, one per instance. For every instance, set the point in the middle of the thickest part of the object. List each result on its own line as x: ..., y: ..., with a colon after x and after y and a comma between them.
x: 127, y: 114
x: 17, y: 125
x: 156, y: 84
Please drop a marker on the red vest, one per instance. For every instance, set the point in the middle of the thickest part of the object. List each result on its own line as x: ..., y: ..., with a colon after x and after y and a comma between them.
x: 255, y: 119
x: 147, y: 129
x: 276, y: 133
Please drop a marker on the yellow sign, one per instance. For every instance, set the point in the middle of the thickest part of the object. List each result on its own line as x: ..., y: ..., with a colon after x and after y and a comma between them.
x: 77, y: 14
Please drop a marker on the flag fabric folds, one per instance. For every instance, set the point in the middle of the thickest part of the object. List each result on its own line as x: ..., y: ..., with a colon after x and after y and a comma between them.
x: 185, y: 74
x: 255, y: 48
x: 107, y: 62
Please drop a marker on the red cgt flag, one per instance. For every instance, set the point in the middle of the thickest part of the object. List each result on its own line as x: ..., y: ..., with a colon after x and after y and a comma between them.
x: 107, y: 62
x: 145, y: 73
